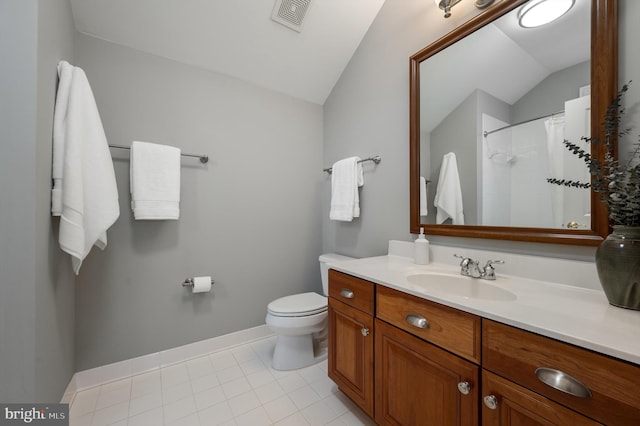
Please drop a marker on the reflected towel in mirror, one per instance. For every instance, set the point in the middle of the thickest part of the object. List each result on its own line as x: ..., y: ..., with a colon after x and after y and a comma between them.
x: 448, y: 200
x: 423, y: 197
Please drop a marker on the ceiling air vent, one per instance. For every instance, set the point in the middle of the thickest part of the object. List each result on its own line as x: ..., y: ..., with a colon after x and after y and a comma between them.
x: 290, y: 13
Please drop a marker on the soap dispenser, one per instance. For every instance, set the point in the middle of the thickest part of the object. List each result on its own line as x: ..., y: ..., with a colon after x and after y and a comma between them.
x: 421, y: 249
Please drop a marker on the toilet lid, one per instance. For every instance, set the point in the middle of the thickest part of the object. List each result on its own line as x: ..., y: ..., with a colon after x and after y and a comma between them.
x: 298, y: 305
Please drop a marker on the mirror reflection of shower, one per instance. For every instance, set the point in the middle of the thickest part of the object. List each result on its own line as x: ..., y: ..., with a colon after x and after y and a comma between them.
x: 516, y: 158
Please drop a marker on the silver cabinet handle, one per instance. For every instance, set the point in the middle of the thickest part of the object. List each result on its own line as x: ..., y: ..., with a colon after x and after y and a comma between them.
x: 491, y: 401
x: 365, y: 332
x: 417, y: 320
x: 464, y: 388
x: 345, y: 292
x: 563, y: 382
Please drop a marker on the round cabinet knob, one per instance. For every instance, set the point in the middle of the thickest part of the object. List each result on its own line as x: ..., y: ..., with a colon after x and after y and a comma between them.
x: 464, y: 388
x: 491, y: 401
x: 365, y: 331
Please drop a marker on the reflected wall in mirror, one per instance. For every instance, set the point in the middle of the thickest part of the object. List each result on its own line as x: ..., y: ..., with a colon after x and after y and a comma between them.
x: 491, y: 103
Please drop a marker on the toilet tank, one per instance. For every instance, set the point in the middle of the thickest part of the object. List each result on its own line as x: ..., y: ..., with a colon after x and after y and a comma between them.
x: 324, y: 268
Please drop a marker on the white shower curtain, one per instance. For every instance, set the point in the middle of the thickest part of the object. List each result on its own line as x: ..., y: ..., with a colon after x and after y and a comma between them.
x: 556, y: 152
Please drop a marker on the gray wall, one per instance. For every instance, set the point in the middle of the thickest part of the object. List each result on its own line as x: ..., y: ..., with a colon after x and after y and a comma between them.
x: 250, y: 218
x: 37, y: 287
x: 629, y: 69
x: 368, y: 113
x: 18, y: 44
x: 457, y: 133
x: 489, y: 104
x: 551, y: 93
x: 55, y: 281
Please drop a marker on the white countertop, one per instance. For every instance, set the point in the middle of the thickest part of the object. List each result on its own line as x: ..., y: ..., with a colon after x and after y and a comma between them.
x: 571, y: 314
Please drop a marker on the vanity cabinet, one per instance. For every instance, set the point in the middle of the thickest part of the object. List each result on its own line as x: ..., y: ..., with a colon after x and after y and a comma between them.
x: 435, y: 365
x: 351, y: 327
x: 600, y: 387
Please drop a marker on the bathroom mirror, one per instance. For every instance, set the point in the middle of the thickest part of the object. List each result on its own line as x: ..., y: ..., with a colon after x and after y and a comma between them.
x: 502, y: 98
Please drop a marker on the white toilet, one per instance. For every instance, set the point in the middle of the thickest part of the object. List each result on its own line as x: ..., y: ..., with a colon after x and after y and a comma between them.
x: 300, y: 323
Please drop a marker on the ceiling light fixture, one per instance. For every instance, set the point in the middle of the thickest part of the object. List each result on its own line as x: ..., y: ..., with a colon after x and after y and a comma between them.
x: 446, y: 5
x: 540, y: 12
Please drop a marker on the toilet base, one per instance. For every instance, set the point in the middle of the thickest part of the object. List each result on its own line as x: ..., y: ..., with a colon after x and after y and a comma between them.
x: 294, y: 352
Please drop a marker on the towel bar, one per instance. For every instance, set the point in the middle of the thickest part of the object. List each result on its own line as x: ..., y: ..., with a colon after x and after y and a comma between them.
x: 376, y: 159
x: 203, y: 158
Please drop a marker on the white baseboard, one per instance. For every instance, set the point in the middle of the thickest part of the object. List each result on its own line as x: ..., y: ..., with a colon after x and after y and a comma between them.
x: 130, y: 367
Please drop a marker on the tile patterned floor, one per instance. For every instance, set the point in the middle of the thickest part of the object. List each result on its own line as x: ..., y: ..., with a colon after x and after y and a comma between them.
x: 236, y: 387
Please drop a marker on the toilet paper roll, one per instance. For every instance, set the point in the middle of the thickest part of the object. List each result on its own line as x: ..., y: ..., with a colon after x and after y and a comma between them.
x: 201, y: 284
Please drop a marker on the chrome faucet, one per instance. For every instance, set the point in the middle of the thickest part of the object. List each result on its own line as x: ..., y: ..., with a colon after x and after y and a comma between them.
x: 471, y: 268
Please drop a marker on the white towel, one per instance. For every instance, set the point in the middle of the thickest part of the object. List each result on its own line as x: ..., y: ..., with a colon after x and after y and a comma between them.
x: 448, y: 200
x: 346, y: 177
x: 423, y: 197
x: 84, y: 194
x: 155, y: 181
x: 65, y: 75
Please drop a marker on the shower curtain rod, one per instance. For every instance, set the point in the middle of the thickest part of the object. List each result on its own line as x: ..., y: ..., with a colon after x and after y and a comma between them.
x: 522, y: 122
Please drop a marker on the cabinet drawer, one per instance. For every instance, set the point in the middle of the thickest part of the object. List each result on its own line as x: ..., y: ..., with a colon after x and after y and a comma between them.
x: 352, y: 291
x: 515, y: 405
x: 451, y: 329
x: 614, y: 385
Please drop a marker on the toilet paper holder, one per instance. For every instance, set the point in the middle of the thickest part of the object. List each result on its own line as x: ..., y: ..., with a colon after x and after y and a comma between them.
x: 188, y: 282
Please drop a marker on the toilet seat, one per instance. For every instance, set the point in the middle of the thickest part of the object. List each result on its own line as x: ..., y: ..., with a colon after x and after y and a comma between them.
x: 298, y: 305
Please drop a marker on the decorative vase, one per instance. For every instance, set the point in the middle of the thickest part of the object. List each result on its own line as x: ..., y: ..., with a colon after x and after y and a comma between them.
x: 618, y: 265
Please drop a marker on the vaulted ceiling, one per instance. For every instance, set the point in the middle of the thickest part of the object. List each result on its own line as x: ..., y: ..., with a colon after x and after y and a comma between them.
x: 238, y: 37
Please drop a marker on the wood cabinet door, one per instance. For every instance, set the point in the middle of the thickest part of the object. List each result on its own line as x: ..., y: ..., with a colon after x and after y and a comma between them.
x: 417, y: 382
x: 508, y: 404
x: 351, y: 353
x: 613, y: 384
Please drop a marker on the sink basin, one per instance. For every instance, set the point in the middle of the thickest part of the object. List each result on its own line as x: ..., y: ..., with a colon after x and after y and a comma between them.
x: 458, y: 285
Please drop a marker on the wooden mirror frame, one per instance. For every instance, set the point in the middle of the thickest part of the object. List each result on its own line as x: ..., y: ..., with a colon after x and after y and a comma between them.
x: 604, y: 87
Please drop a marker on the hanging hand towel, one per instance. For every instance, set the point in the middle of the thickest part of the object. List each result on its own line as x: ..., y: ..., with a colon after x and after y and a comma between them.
x: 346, y: 177
x: 423, y: 197
x: 155, y: 181
x: 84, y: 194
x: 448, y: 200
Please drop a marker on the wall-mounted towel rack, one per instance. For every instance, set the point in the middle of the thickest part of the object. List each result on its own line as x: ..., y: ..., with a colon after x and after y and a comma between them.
x: 376, y: 159
x: 203, y: 158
